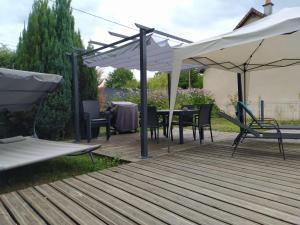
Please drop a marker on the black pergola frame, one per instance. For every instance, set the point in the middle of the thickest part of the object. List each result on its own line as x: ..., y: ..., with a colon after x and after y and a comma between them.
x: 141, y: 37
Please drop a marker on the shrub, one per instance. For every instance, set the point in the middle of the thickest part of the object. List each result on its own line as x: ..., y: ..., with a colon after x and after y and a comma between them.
x: 160, y: 99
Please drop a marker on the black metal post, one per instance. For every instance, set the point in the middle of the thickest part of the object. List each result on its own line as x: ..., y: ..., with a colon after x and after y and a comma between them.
x: 240, y: 94
x: 262, y: 109
x: 169, y: 88
x: 75, y: 96
x: 245, y: 91
x: 143, y: 84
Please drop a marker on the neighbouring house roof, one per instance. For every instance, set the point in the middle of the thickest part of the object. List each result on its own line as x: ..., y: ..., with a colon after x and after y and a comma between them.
x: 252, y: 13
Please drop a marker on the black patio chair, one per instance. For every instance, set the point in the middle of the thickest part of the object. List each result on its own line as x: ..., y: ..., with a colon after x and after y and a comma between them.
x: 253, y: 133
x: 153, y: 122
x: 94, y: 118
x: 187, y: 119
x: 204, y: 120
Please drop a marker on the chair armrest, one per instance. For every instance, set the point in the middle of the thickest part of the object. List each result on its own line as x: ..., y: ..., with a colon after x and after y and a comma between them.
x: 86, y: 116
x: 106, y: 115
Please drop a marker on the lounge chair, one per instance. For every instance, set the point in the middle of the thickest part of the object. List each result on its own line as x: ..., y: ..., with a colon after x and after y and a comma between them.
x: 257, y: 122
x: 20, y: 151
x: 20, y: 91
x: 254, y: 133
x: 265, y: 123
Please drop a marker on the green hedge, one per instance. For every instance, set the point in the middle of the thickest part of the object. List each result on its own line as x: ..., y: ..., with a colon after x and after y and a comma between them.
x: 160, y: 99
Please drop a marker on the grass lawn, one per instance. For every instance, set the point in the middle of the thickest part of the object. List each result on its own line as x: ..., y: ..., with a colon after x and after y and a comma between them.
x: 51, y: 170
x: 221, y: 124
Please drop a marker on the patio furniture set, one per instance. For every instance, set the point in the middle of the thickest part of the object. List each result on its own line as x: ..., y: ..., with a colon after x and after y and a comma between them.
x: 194, y: 116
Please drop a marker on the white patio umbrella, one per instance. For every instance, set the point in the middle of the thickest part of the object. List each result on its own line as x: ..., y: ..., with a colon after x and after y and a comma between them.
x: 271, y: 42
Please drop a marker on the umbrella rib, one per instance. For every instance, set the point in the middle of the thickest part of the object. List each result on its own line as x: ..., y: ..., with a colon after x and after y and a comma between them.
x: 250, y: 57
x: 275, y: 66
x: 216, y: 63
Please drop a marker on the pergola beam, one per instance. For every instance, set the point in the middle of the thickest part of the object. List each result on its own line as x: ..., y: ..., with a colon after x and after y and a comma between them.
x: 164, y: 34
x: 100, y: 43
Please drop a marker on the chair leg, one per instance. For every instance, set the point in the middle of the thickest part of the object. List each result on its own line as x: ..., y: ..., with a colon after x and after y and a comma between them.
x: 279, y: 145
x: 107, y: 132
x: 194, y: 132
x: 155, y: 134
x: 211, y: 135
x: 244, y: 136
x: 282, y: 149
x: 171, y: 132
x: 92, y: 157
x: 88, y: 132
x: 238, y: 140
x: 157, y: 140
x: 200, y: 134
x: 151, y: 133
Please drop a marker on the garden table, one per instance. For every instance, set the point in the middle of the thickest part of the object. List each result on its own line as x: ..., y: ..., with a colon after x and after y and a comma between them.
x: 177, y: 112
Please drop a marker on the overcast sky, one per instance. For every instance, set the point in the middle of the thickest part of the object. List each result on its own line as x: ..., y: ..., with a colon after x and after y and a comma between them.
x: 190, y: 19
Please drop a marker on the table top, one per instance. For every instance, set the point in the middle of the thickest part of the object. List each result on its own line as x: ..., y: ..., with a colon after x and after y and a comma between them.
x: 177, y: 111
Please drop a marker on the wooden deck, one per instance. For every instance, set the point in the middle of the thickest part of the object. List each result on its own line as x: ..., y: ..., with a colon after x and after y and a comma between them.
x: 127, y: 146
x: 192, y: 185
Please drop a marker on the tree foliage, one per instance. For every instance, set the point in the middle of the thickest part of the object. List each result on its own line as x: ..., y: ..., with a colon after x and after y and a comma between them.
x: 158, y: 82
x: 121, y: 78
x: 43, y: 47
x: 195, y: 76
x: 7, y: 57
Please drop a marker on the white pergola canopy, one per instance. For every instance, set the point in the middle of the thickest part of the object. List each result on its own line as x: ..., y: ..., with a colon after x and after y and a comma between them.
x: 271, y: 42
x: 159, y: 57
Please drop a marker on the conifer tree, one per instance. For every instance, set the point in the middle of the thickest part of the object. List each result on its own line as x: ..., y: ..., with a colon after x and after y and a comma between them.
x: 43, y: 47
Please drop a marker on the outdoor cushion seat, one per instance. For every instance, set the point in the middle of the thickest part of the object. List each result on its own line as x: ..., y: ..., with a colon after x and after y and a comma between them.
x: 32, y: 150
x: 11, y: 139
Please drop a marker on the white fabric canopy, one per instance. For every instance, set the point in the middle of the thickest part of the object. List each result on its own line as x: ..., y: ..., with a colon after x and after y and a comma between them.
x: 20, y: 90
x: 159, y: 57
x: 268, y: 43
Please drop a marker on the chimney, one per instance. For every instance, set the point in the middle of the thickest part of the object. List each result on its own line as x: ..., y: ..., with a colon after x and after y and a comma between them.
x: 268, y: 7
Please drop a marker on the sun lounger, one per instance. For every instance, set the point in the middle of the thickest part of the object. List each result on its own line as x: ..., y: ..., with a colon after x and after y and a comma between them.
x: 20, y: 151
x: 257, y: 122
x: 254, y: 133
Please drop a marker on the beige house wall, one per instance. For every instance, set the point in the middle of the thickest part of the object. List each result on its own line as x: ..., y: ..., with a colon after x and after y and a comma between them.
x: 279, y: 88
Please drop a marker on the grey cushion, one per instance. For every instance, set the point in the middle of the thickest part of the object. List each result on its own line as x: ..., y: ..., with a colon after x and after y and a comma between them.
x: 12, y: 139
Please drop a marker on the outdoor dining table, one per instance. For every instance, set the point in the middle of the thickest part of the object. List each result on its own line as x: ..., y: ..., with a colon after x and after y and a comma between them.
x: 177, y: 112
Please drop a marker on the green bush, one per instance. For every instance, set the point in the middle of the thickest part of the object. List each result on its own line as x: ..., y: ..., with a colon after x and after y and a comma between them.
x: 160, y: 99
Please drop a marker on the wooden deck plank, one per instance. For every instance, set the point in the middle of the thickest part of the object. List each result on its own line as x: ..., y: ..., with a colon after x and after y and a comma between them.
x: 213, y: 176
x: 224, y: 153
x: 194, y: 184
x: 118, y: 205
x: 249, y: 155
x: 192, y: 192
x: 176, y: 179
x: 138, y: 181
x: 5, y: 218
x: 256, y: 195
x: 103, y: 212
x: 20, y: 210
x: 238, y: 163
x: 74, y: 211
x: 157, y: 200
x: 154, y: 210
x: 225, y: 167
x: 45, y: 208
x: 269, y: 187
